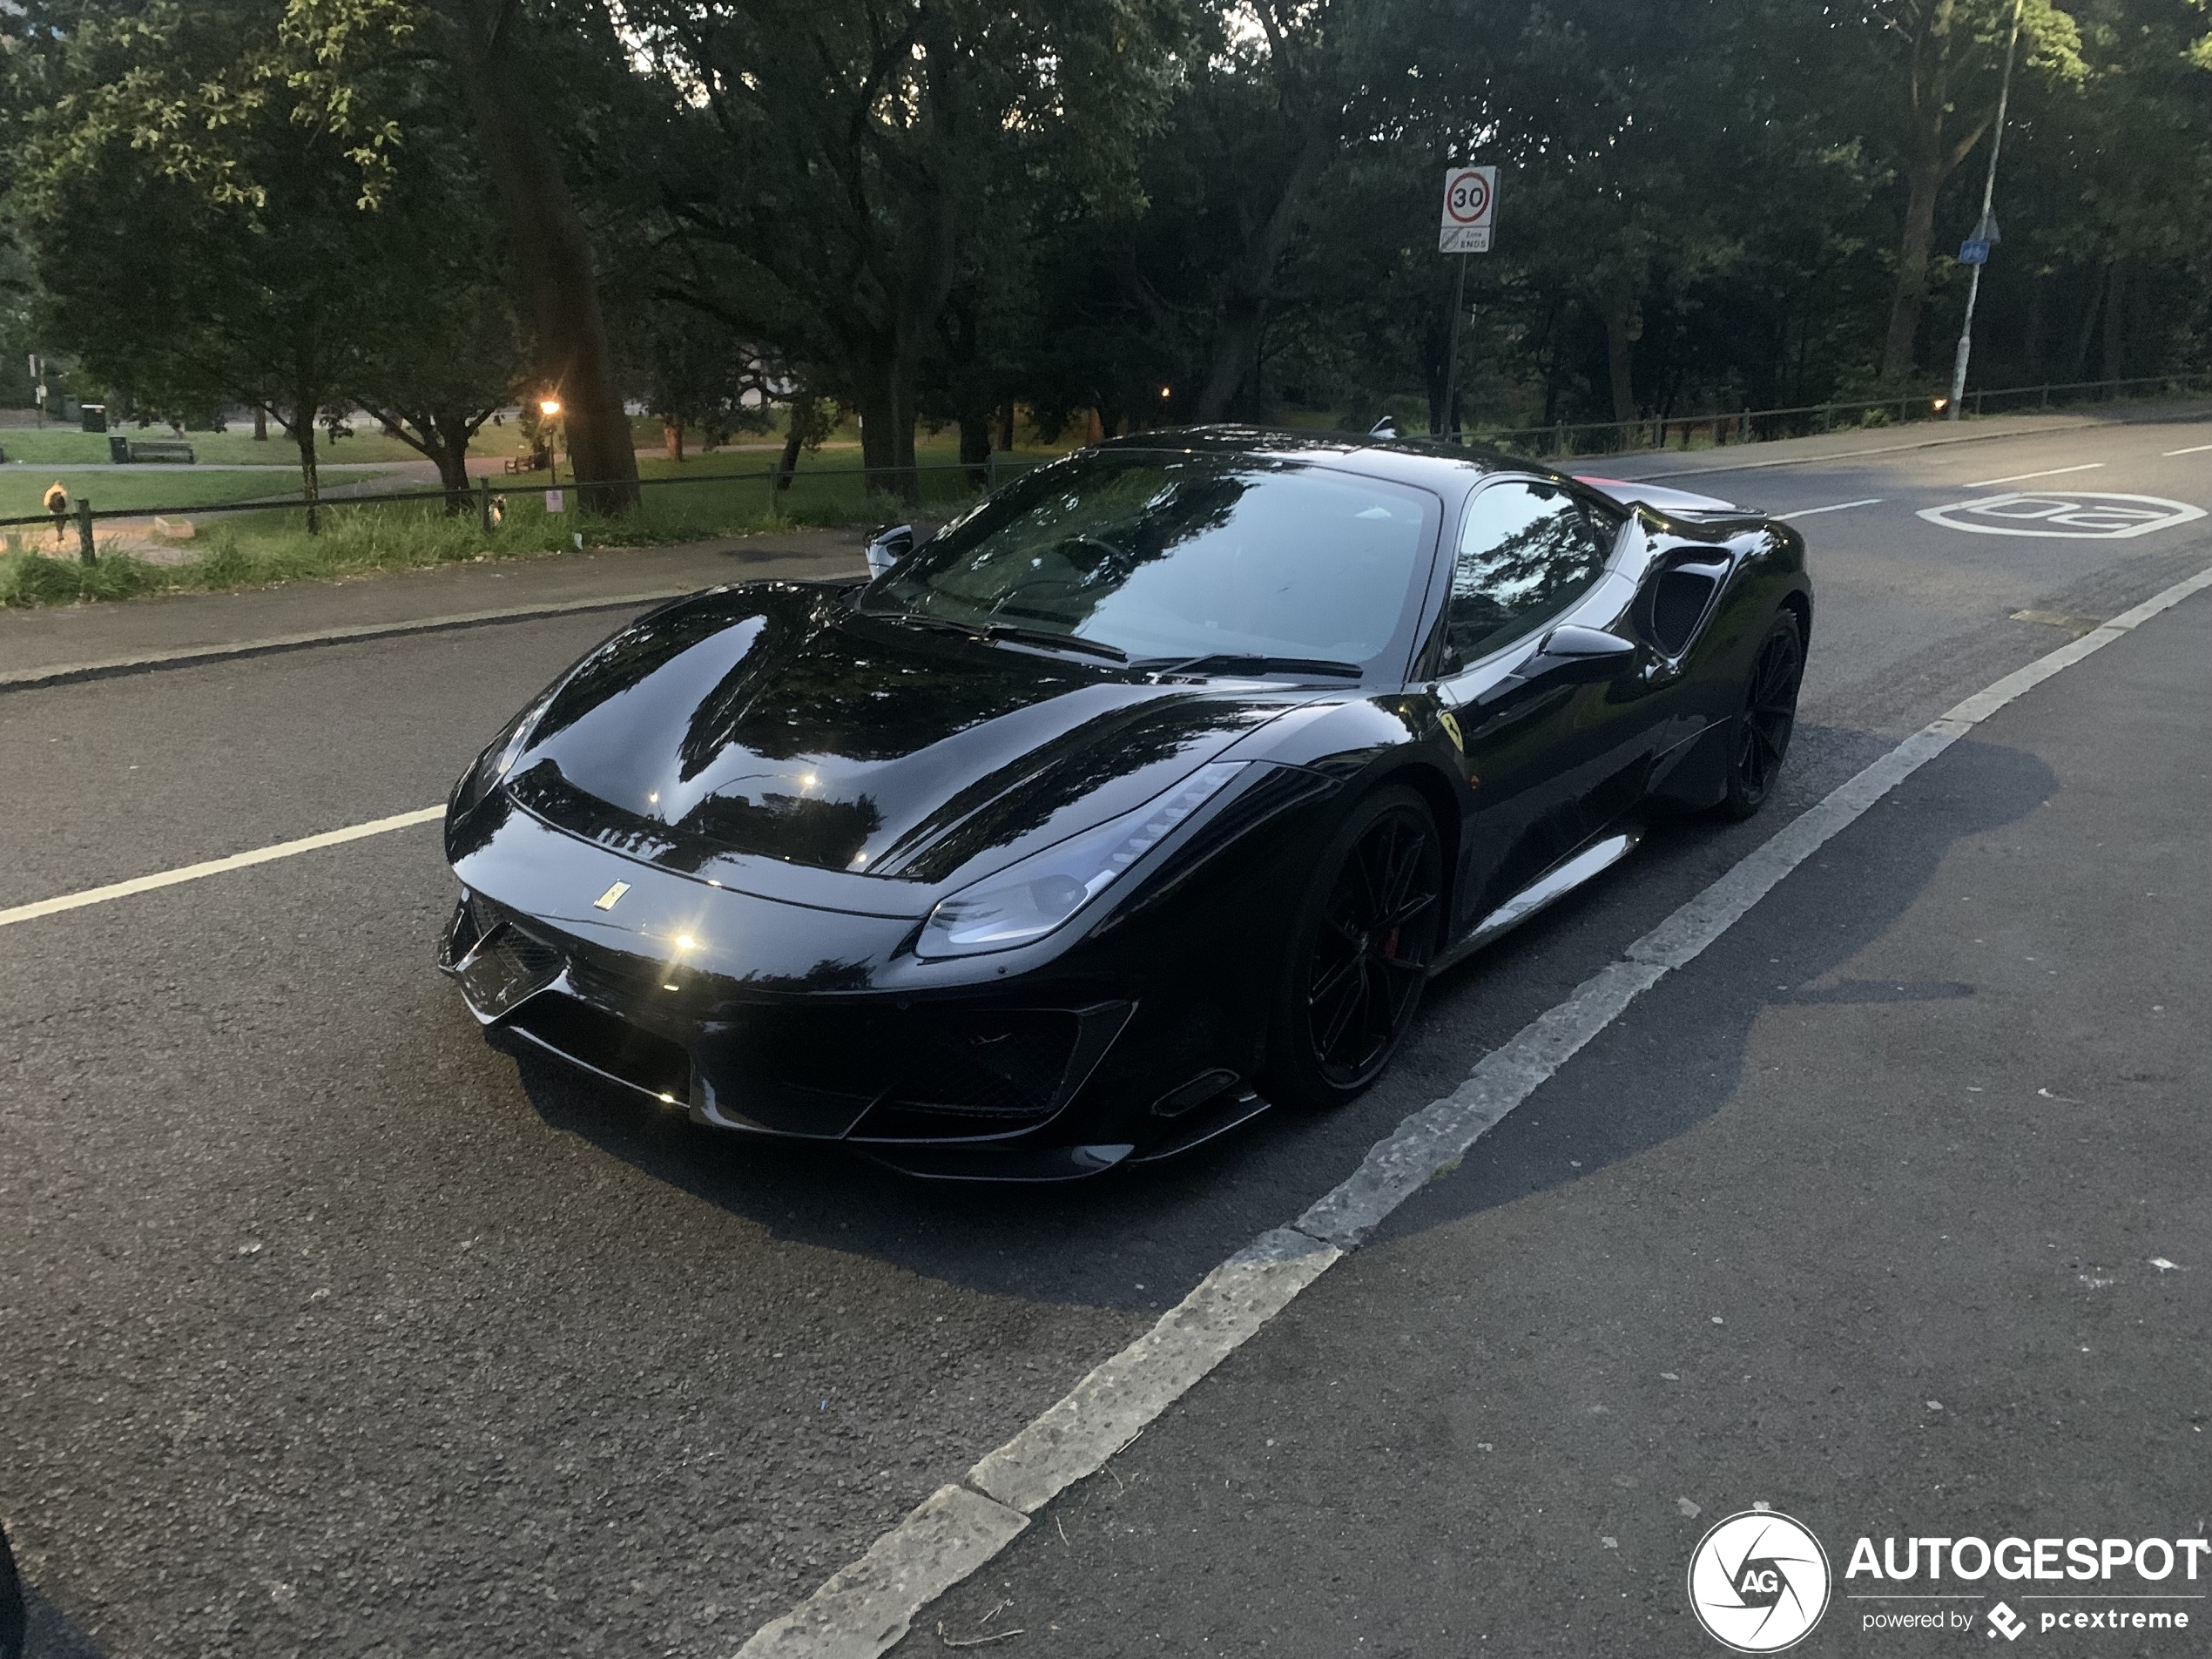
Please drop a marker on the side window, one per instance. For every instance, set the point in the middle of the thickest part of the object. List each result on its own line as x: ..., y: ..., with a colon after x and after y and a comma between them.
x: 1528, y: 551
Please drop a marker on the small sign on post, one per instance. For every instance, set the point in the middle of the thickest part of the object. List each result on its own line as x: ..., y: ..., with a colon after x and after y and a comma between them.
x: 1470, y: 214
x: 1470, y: 209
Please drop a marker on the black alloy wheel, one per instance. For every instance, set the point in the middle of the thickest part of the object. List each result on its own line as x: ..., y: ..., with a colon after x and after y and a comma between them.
x: 1361, y: 946
x: 1769, y: 715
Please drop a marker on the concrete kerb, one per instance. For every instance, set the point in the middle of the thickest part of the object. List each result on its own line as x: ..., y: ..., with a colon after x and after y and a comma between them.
x: 103, y: 668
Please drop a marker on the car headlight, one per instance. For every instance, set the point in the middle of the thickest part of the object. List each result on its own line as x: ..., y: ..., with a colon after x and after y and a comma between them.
x: 500, y: 753
x: 1023, y: 902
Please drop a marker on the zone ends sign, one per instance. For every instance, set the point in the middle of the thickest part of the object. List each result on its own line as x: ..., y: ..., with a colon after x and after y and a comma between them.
x: 1470, y: 209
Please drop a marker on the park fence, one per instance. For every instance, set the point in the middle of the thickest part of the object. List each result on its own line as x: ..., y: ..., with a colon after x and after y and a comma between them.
x: 1565, y: 439
x: 488, y: 498
x: 1560, y: 440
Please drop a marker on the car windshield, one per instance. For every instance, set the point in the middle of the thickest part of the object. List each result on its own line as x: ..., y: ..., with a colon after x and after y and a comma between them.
x: 1239, y: 562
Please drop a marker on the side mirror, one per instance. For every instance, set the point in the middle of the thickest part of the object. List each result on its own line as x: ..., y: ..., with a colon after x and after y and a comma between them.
x: 1574, y: 654
x: 889, y: 545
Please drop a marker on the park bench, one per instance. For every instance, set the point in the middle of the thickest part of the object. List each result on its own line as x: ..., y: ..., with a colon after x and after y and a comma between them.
x: 161, y: 449
x: 120, y: 448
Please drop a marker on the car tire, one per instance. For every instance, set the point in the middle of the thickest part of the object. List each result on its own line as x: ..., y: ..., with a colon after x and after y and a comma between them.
x: 1759, y: 741
x: 1361, y: 939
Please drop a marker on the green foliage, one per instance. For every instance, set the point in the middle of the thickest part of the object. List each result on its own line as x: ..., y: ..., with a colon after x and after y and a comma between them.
x: 1136, y: 212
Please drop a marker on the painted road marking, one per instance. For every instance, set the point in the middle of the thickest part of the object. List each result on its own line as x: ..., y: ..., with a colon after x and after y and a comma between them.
x: 217, y: 866
x: 866, y: 1609
x: 1807, y: 512
x: 2077, y: 516
x: 2049, y: 472
x: 2194, y: 449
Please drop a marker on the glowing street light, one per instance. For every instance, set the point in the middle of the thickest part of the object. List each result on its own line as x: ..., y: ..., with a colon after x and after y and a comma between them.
x: 549, y: 407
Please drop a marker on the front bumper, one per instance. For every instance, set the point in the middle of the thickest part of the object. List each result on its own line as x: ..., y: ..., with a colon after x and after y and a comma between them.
x: 950, y: 1086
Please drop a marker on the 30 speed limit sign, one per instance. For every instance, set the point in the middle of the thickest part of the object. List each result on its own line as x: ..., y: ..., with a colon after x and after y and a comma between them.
x: 1470, y: 209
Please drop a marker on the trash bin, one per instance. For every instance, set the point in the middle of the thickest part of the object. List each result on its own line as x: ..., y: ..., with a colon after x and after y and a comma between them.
x: 94, y: 416
x: 119, y: 449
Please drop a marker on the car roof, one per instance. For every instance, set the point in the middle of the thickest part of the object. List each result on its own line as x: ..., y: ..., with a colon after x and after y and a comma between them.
x: 1430, y: 462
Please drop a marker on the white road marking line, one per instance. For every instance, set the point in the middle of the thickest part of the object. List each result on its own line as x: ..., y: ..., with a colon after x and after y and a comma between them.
x: 2194, y: 449
x: 2014, y: 478
x: 866, y: 1609
x: 1807, y: 512
x: 216, y: 867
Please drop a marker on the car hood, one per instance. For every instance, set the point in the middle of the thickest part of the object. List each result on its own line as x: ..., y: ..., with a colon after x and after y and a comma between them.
x: 771, y: 721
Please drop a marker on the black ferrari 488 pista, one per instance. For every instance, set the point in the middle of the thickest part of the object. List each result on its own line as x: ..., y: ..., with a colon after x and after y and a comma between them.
x: 1147, y: 793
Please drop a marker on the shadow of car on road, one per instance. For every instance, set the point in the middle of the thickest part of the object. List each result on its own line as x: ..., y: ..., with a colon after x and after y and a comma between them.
x: 1139, y: 1239
x: 1847, y: 897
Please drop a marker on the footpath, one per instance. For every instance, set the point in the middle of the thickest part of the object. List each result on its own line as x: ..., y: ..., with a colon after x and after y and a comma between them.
x: 40, y: 645
x: 1892, y: 1212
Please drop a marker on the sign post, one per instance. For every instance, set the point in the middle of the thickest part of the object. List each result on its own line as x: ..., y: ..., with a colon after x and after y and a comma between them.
x: 1974, y: 251
x: 1470, y: 214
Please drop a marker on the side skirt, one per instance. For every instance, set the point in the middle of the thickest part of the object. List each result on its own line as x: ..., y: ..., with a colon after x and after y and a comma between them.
x: 1547, y: 889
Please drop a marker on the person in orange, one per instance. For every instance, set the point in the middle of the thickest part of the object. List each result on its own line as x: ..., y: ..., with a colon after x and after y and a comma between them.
x: 57, y: 504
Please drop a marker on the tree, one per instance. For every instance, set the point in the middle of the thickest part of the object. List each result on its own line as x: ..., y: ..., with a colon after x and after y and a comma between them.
x: 834, y: 159
x: 704, y: 375
x: 1943, y: 62
x: 516, y: 68
x: 274, y: 259
x: 185, y: 276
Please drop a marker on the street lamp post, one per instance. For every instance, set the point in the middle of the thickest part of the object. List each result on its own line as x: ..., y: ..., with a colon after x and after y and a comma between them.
x: 548, y: 407
x: 1985, y: 235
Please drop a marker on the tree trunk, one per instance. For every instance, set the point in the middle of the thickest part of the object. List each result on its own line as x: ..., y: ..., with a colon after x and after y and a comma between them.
x: 672, y: 438
x: 1617, y: 364
x: 798, y: 421
x: 260, y: 424
x: 1898, y: 346
x: 976, y: 440
x: 452, y: 458
x: 553, y: 264
x: 1236, y: 353
x: 2116, y: 320
x: 2080, y: 365
x: 879, y: 422
x: 303, y: 437
x: 1006, y: 425
x: 2032, y: 333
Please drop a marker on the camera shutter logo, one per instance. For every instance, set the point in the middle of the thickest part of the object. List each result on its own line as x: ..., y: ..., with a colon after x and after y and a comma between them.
x: 1758, y: 1582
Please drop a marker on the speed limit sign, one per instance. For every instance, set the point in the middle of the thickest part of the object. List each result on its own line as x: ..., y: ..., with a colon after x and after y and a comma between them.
x: 1470, y: 209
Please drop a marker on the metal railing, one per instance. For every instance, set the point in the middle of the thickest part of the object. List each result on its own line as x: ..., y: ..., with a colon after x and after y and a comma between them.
x: 488, y: 500
x: 1560, y: 440
x: 1758, y: 426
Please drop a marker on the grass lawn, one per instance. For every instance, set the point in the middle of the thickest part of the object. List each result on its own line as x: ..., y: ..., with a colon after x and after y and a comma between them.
x: 48, y: 445
x: 256, y: 548
x: 23, y: 490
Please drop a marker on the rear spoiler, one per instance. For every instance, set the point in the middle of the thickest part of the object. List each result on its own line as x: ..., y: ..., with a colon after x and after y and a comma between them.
x: 1681, y: 503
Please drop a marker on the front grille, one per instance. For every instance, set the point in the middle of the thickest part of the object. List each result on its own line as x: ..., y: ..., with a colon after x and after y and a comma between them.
x: 497, y: 963
x: 876, y: 1072
x: 609, y: 1045
x: 521, y: 955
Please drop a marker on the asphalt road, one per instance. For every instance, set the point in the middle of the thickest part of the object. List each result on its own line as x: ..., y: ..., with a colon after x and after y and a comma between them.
x: 328, y: 1329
